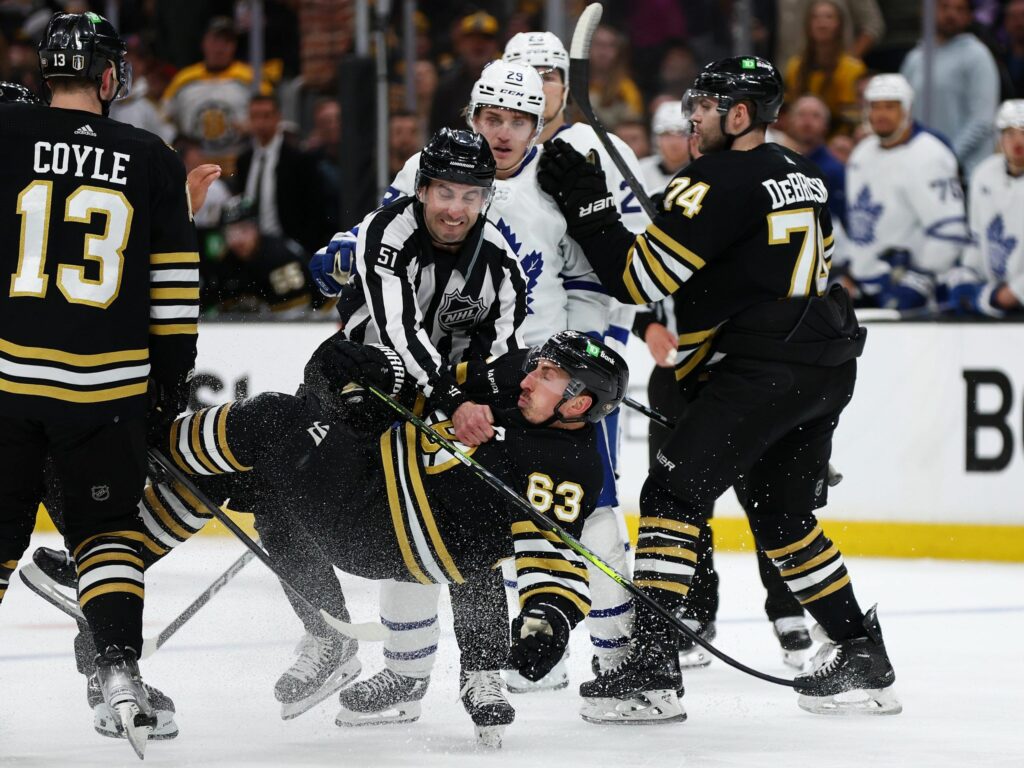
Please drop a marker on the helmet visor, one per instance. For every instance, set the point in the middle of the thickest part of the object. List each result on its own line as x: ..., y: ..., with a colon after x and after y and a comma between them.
x: 695, y: 97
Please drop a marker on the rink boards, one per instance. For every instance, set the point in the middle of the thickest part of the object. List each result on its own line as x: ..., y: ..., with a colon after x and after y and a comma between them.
x: 931, y: 448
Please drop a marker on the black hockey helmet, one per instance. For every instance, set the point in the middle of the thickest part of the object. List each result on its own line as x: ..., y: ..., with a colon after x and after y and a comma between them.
x: 237, y: 210
x: 459, y: 156
x: 594, y: 368
x: 83, y: 45
x: 14, y: 93
x: 740, y: 78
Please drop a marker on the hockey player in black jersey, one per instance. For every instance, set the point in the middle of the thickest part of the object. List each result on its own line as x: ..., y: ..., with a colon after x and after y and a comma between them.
x: 743, y: 238
x: 98, y: 330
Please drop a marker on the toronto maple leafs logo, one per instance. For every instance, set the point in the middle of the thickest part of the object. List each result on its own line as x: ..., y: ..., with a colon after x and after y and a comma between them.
x: 863, y: 217
x: 1000, y: 246
x: 532, y: 263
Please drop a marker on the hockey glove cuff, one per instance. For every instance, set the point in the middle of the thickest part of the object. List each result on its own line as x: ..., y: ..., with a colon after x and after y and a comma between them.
x: 578, y: 186
x: 332, y: 267
x: 166, y: 401
x: 540, y: 635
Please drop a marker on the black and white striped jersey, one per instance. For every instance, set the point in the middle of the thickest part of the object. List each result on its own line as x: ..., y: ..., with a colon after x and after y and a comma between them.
x: 100, y: 273
x: 434, y: 307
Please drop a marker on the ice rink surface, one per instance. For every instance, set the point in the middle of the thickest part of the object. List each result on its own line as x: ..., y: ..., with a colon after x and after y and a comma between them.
x: 953, y: 631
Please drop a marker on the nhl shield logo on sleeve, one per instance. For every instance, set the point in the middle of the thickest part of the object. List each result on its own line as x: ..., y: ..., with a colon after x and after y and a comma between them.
x: 100, y: 492
x: 458, y: 311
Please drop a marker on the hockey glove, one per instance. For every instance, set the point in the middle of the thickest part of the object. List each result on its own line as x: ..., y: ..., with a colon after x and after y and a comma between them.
x: 975, y: 299
x: 578, y: 186
x: 539, y: 637
x: 910, y: 290
x: 333, y: 266
x: 166, y: 401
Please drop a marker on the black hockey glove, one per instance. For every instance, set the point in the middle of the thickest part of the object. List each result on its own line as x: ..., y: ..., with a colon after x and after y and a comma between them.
x: 539, y: 637
x: 166, y: 402
x: 578, y: 186
x: 340, y: 369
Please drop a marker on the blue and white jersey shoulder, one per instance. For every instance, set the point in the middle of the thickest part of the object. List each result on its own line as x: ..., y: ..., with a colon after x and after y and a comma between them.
x: 906, y: 197
x: 997, y: 224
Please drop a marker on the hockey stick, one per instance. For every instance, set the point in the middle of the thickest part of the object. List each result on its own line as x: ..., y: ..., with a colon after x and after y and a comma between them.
x: 539, y: 519
x: 151, y: 644
x: 36, y: 580
x: 368, y: 631
x: 579, y: 89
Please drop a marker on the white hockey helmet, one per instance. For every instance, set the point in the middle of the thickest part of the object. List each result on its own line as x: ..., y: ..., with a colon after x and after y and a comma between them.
x: 539, y: 49
x: 1010, y: 114
x: 890, y: 87
x: 669, y: 118
x: 509, y: 86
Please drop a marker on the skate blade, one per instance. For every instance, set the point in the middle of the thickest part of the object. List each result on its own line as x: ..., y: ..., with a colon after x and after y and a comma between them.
x: 341, y: 677
x: 648, y: 708
x: 137, y: 726
x: 697, y: 658
x: 798, y: 660
x: 516, y: 683
x: 408, y: 712
x: 489, y: 736
x: 865, y: 701
x: 106, y: 724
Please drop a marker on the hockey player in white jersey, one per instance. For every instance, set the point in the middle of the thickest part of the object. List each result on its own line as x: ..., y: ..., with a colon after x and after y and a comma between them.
x: 906, y: 219
x: 611, y: 617
x: 676, y: 146
x: 991, y: 280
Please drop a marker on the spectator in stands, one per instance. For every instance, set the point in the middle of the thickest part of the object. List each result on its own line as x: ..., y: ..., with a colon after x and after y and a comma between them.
x: 209, y: 100
x: 405, y: 139
x: 824, y: 68
x: 905, y: 207
x: 137, y: 108
x: 991, y: 281
x: 258, y: 273
x: 1013, y: 40
x: 324, y: 144
x: 636, y: 136
x: 863, y: 27
x: 676, y: 146
x: 426, y: 87
x: 613, y: 93
x: 807, y: 125
x: 281, y: 180
x: 678, y: 69
x: 476, y: 44
x: 965, y: 80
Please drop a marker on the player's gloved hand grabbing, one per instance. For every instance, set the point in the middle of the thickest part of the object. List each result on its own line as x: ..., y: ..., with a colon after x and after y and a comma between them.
x: 578, y: 186
x: 540, y: 635
x: 367, y: 364
x: 166, y: 401
x: 910, y: 290
x: 333, y: 265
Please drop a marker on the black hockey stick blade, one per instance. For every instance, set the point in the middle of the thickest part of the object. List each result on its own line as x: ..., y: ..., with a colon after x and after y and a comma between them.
x: 572, y: 543
x: 579, y: 89
x: 650, y: 413
x: 368, y: 631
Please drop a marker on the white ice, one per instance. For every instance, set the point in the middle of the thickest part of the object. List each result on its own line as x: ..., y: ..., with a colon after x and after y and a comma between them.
x: 953, y: 631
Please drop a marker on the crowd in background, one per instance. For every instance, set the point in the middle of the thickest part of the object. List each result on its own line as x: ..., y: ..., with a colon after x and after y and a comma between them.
x: 277, y: 133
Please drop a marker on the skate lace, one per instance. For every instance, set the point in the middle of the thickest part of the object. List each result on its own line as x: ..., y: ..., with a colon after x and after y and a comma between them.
x: 825, y: 660
x: 383, y: 682
x: 483, y: 687
x: 312, y: 652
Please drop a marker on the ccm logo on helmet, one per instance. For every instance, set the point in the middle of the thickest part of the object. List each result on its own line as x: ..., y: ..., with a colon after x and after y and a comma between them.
x: 598, y: 205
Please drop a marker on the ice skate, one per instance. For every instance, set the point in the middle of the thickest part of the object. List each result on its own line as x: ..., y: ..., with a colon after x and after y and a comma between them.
x: 324, y: 665
x: 58, y: 565
x: 795, y: 640
x: 387, y: 697
x: 644, y: 689
x: 691, y: 654
x: 121, y: 684
x: 106, y: 723
x: 555, y: 680
x: 487, y: 706
x: 851, y: 677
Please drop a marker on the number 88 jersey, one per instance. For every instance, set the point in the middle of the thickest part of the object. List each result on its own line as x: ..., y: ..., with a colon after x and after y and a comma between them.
x: 99, y: 266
